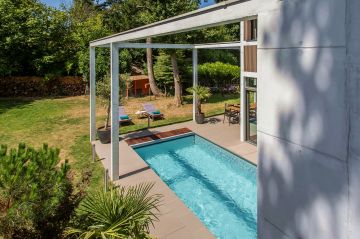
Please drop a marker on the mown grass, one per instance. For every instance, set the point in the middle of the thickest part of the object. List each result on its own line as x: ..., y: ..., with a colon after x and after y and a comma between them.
x: 64, y: 123
x: 59, y: 122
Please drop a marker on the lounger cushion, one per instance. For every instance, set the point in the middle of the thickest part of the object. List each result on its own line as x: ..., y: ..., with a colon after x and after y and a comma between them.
x: 156, y: 112
x: 124, y: 117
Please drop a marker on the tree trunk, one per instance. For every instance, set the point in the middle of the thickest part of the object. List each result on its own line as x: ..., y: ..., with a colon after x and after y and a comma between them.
x: 177, y: 80
x: 154, y: 89
x: 108, y: 115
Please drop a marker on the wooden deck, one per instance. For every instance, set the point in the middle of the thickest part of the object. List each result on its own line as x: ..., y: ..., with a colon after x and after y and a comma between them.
x: 156, y: 136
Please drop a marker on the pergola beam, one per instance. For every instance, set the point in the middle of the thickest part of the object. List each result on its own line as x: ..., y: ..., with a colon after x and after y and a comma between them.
x: 221, y: 45
x: 195, y: 80
x: 154, y: 46
x: 230, y: 11
x: 242, y: 87
x: 114, y: 167
x: 92, y: 95
x: 235, y: 45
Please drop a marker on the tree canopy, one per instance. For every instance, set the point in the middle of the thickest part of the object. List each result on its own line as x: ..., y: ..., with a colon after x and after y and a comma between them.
x: 38, y: 40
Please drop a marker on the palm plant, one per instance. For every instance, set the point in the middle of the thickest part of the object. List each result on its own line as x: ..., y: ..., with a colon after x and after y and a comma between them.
x: 202, y: 94
x: 118, y: 213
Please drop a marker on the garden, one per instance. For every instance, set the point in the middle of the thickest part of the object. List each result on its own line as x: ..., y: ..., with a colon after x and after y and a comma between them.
x: 49, y: 185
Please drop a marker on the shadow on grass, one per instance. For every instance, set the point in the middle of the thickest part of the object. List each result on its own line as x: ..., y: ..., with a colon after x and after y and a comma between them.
x: 7, y: 104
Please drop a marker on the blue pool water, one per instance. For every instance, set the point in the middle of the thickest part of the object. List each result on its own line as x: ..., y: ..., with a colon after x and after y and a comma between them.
x: 219, y: 187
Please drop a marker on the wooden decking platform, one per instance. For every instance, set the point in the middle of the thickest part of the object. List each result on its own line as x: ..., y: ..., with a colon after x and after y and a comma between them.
x: 156, y: 136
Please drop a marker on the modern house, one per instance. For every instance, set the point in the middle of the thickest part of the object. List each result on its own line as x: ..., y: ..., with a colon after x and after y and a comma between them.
x: 300, y: 63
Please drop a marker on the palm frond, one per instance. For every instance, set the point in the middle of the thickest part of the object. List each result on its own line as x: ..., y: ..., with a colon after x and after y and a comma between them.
x: 119, y: 213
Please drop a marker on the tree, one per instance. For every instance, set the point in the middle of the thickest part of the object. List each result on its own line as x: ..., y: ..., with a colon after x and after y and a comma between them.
x: 103, y: 90
x: 87, y: 24
x: 118, y: 213
x: 163, y: 72
x: 177, y: 79
x: 36, y: 198
x: 34, y: 38
x: 150, y: 70
x: 163, y: 9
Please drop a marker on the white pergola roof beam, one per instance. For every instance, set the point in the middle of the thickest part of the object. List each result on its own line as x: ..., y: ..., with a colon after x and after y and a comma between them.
x: 230, y: 11
x: 154, y: 46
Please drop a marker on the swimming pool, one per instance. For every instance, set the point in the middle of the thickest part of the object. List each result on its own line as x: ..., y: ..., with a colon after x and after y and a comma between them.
x: 217, y: 186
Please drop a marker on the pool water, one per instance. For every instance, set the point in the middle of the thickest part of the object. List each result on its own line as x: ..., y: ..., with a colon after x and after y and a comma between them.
x: 217, y: 186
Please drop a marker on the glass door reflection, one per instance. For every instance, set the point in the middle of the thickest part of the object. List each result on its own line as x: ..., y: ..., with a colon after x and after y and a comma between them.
x: 251, y: 110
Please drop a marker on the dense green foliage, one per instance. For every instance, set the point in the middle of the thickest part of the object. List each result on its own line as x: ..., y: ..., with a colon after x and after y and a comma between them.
x: 163, y: 72
x: 39, y: 40
x: 218, y: 74
x: 33, y: 38
x: 118, y: 213
x: 36, y: 198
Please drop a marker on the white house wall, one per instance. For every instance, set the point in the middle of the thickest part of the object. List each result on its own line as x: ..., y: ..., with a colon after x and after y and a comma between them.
x: 303, y: 121
x: 353, y: 34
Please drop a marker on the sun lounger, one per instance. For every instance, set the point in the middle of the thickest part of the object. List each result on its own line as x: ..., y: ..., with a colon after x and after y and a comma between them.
x: 152, y: 112
x: 123, y: 117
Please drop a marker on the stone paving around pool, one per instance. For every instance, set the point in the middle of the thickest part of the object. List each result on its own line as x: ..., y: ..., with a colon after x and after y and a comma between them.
x: 176, y: 221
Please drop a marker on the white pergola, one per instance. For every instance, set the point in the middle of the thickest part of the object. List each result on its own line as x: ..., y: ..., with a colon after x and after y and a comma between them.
x: 231, y: 11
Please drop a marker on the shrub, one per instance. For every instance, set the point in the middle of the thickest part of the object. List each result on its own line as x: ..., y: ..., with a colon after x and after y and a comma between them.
x: 118, y: 213
x: 36, y: 199
x: 218, y: 74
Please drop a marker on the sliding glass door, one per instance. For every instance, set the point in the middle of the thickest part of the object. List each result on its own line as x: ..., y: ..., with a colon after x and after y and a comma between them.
x: 251, y: 110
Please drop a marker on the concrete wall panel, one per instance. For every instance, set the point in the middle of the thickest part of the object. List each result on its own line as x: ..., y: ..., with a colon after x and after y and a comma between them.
x: 353, y: 34
x: 301, y: 192
x: 302, y: 97
x: 303, y: 23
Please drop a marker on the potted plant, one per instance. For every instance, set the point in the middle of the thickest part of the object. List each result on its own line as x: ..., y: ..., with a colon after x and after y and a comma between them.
x: 103, y: 91
x: 202, y: 94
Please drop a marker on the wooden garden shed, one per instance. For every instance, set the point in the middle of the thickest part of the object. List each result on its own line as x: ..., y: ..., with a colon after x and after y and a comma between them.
x: 138, y: 86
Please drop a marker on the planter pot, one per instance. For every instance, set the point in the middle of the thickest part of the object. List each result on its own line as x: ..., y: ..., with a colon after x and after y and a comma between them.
x: 104, y: 135
x: 200, y: 118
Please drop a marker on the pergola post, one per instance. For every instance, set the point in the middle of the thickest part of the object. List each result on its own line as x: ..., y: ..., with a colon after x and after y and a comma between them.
x: 114, y: 167
x: 242, y: 87
x: 195, y: 80
x: 92, y: 95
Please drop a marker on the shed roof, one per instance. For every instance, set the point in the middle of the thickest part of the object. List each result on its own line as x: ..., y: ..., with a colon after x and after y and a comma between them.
x: 138, y: 77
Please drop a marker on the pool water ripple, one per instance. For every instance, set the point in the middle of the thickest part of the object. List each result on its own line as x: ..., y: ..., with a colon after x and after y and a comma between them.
x: 218, y: 186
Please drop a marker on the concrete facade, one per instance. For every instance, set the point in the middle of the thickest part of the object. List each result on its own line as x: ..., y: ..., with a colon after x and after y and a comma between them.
x: 308, y: 123
x: 353, y: 45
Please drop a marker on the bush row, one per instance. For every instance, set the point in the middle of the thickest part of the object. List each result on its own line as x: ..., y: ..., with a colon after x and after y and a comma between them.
x: 38, y: 87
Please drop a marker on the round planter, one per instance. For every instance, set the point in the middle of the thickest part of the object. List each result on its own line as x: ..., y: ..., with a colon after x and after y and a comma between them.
x: 104, y: 135
x: 200, y: 118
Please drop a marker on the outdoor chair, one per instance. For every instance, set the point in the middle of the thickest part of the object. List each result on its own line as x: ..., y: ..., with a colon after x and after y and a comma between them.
x: 152, y: 112
x: 123, y: 117
x: 232, y: 115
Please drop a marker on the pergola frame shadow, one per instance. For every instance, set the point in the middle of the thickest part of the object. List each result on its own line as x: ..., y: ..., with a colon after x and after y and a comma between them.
x: 231, y: 11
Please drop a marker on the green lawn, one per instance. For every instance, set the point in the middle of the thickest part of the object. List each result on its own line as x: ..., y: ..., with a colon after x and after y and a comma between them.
x: 64, y: 123
x: 61, y: 123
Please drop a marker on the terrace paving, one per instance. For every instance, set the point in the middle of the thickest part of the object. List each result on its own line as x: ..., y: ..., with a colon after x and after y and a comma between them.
x: 176, y: 221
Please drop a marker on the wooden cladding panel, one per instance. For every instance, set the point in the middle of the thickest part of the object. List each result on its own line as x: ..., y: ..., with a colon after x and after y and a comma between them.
x: 247, y: 30
x: 250, y: 58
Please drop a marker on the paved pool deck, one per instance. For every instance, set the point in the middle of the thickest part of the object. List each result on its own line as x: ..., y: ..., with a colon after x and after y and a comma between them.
x: 176, y: 221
